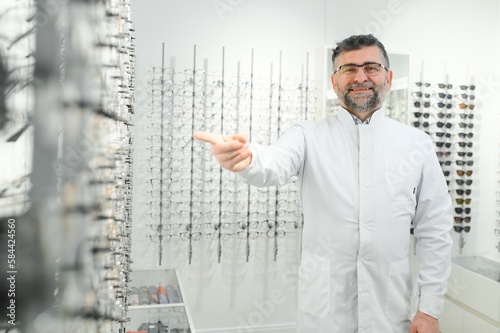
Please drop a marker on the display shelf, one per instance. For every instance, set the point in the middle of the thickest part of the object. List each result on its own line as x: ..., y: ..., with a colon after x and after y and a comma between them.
x: 175, y: 314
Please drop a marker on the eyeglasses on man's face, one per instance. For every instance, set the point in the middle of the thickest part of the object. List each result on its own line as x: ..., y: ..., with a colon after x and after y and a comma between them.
x: 369, y: 68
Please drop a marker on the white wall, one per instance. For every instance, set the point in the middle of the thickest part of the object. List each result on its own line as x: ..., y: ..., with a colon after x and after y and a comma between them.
x: 458, y: 38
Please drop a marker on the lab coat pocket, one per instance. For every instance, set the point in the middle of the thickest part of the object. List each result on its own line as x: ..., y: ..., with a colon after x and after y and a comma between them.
x: 399, y: 181
x: 314, y: 285
x: 397, y: 306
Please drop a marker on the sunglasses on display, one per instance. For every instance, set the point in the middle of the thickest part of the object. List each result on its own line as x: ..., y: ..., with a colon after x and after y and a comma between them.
x: 461, y: 201
x: 459, y: 219
x: 465, y: 135
x: 441, y: 134
x: 443, y: 95
x: 464, y: 106
x: 441, y: 124
x: 462, y: 172
x: 465, y: 144
x: 444, y: 154
x: 458, y: 228
x: 463, y: 153
x: 462, y: 210
x: 447, y: 163
x: 421, y: 94
x: 418, y: 104
x: 462, y: 182
x: 465, y: 96
x: 465, y: 116
x: 420, y: 114
x: 445, y: 86
x: 444, y: 105
x: 423, y: 84
x: 445, y: 144
x: 443, y: 115
x: 462, y: 192
x: 423, y: 124
x: 469, y: 163
x: 471, y: 87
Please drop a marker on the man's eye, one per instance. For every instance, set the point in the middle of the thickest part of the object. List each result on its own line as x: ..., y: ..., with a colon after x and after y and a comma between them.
x: 349, y: 69
x: 371, y: 68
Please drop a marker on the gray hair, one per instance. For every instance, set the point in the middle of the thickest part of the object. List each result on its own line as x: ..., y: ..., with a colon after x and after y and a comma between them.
x: 358, y: 42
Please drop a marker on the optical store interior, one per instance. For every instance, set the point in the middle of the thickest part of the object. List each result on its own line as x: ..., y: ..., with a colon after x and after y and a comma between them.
x: 114, y: 219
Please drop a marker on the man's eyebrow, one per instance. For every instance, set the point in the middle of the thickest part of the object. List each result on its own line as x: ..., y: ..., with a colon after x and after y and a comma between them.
x: 365, y: 63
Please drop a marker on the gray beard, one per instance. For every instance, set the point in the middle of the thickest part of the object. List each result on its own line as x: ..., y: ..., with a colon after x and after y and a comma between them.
x: 369, y: 105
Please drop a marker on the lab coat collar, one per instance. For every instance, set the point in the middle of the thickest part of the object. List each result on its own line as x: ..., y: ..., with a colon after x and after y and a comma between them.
x: 346, y: 117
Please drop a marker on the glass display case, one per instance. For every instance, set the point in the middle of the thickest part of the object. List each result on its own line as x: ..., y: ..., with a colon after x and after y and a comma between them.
x: 157, y: 304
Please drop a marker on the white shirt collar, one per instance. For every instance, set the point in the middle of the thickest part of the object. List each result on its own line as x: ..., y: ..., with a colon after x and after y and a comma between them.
x: 347, y: 117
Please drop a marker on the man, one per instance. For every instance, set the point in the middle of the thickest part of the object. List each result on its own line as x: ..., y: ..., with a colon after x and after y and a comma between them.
x: 363, y: 180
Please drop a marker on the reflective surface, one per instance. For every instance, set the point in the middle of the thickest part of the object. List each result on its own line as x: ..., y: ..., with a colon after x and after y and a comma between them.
x: 481, y: 265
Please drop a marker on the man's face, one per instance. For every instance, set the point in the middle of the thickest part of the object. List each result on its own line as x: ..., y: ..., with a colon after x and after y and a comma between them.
x: 361, y: 93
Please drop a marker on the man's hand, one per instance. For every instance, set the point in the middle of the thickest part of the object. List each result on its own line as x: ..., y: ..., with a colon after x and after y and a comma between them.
x: 423, y: 323
x: 231, y: 151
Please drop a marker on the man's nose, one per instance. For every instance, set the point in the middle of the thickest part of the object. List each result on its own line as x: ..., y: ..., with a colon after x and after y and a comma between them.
x: 360, y: 75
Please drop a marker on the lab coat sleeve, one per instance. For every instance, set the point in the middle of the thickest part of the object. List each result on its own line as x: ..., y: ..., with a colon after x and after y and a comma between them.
x: 274, y: 165
x: 433, y: 221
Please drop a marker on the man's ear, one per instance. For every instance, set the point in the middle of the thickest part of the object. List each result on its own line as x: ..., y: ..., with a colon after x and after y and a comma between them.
x: 388, y: 80
x: 334, y: 82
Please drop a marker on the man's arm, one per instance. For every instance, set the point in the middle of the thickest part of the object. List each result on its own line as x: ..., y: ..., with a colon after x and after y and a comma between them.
x: 433, y: 222
x: 260, y: 165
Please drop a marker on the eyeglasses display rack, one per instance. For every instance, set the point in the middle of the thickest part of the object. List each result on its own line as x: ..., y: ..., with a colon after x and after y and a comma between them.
x: 69, y: 110
x: 446, y: 112
x: 193, y: 205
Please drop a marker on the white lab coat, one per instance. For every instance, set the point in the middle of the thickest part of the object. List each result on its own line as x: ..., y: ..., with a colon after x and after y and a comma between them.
x: 361, y: 186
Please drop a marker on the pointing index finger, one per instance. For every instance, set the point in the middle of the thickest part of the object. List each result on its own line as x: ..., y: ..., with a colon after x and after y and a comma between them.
x: 217, y: 138
x: 207, y: 137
